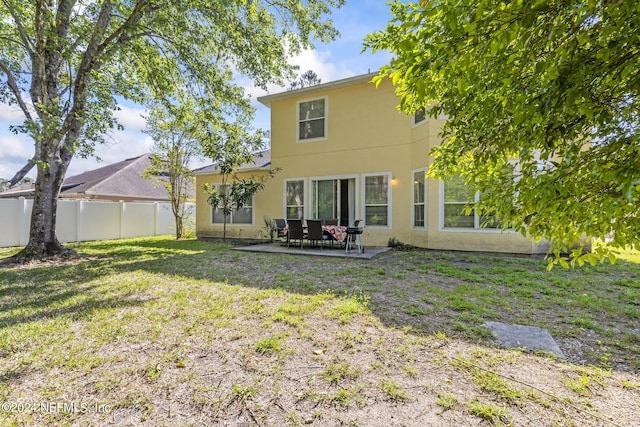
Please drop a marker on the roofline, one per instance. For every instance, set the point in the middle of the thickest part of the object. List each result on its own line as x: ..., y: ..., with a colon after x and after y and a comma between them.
x: 260, y: 168
x: 132, y: 161
x: 87, y: 196
x: 349, y: 81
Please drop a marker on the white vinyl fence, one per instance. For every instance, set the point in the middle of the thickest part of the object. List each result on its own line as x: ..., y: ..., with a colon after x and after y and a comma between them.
x: 80, y: 220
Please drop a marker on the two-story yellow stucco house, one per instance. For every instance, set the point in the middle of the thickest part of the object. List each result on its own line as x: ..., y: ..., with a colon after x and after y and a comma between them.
x: 345, y: 151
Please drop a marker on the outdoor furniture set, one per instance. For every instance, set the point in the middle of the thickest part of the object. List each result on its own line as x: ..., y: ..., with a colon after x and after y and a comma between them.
x: 318, y: 231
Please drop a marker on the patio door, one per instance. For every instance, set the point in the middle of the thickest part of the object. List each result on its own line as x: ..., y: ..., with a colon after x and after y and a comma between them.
x: 334, y: 198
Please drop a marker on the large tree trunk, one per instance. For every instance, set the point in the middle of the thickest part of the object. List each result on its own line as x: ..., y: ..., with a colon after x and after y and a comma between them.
x: 42, y: 235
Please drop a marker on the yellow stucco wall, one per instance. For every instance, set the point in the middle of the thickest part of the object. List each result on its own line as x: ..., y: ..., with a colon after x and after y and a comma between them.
x: 366, y: 134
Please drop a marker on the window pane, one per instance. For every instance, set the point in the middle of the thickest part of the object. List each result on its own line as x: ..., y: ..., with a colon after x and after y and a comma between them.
x: 295, y: 192
x: 418, y: 215
x: 420, y: 115
x: 325, y: 199
x: 456, y: 191
x: 376, y: 215
x: 218, y: 216
x: 454, y: 216
x: 312, y: 129
x: 418, y: 187
x: 490, y: 221
x: 295, y: 212
x: 376, y: 190
x: 295, y: 199
x: 242, y: 215
x: 311, y: 110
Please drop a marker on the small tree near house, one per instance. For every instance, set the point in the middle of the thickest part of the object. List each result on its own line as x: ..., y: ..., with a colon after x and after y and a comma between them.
x: 230, y: 152
x: 175, y: 134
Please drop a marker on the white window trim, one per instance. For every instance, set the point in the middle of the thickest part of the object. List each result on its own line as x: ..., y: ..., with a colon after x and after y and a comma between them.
x: 305, y: 197
x: 355, y: 177
x: 220, y: 224
x: 363, y: 208
x: 326, y: 120
x: 413, y: 202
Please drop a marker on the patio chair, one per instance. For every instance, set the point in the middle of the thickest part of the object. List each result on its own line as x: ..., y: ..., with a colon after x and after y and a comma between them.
x: 280, y: 225
x: 315, y: 232
x: 333, y: 221
x: 296, y: 232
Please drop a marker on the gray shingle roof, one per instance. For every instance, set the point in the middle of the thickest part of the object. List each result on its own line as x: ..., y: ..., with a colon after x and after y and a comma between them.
x: 123, y: 179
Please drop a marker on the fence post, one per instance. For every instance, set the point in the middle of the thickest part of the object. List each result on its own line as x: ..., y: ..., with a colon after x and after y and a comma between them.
x: 122, y: 208
x: 156, y: 217
x: 79, y: 210
x: 22, y: 220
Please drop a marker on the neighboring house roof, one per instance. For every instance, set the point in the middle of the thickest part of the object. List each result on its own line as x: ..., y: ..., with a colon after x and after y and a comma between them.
x: 322, y: 87
x: 122, y: 179
x: 261, y: 161
x: 22, y: 190
x: 118, y: 180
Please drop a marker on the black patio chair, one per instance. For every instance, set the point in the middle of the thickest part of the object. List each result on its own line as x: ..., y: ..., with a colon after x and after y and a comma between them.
x: 296, y: 232
x: 315, y: 232
x: 280, y: 225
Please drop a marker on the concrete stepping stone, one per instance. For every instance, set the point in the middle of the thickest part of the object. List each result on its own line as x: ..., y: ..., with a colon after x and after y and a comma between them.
x: 519, y: 336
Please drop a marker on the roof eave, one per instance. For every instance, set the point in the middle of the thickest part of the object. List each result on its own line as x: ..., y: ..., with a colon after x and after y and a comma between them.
x: 266, y: 100
x: 254, y: 169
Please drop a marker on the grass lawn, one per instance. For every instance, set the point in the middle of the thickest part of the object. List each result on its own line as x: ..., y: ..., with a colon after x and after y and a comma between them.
x: 158, y: 332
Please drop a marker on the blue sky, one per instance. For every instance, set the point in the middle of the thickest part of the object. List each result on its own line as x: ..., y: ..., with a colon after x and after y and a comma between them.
x: 333, y: 61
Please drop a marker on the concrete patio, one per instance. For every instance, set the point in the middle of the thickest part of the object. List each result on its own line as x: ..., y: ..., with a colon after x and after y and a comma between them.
x: 328, y: 251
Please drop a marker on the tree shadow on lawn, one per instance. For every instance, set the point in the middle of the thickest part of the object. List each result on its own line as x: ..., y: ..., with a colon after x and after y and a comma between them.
x: 586, y: 310
x: 34, y: 293
x: 592, y: 312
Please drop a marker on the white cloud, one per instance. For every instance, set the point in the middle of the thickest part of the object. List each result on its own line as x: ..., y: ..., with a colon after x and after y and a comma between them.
x: 320, y: 62
x: 131, y: 117
x: 11, y: 146
x: 11, y: 114
x: 14, y: 152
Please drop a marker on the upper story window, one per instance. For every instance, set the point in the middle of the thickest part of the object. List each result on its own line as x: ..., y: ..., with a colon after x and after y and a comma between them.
x: 419, y: 116
x: 312, y: 119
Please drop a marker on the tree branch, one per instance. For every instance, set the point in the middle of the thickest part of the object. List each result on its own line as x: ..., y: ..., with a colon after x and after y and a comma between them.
x: 90, y: 59
x: 13, y: 85
x: 22, y: 172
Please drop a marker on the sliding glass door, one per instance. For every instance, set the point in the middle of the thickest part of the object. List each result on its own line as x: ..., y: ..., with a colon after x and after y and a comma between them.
x: 333, y: 198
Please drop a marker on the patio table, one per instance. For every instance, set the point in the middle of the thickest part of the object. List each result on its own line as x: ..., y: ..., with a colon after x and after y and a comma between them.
x: 338, y: 232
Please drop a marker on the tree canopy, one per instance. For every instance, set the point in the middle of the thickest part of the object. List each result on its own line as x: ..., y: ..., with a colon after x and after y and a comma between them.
x: 541, y: 100
x: 66, y: 63
x: 306, y: 79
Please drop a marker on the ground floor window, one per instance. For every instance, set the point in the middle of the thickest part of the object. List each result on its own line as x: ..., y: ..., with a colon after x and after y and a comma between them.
x: 376, y: 200
x: 294, y: 199
x: 324, y: 195
x: 419, y: 197
x: 458, y: 198
x: 243, y: 215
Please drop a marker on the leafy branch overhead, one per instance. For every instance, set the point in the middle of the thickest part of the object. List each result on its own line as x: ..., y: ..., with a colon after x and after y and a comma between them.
x: 542, y: 109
